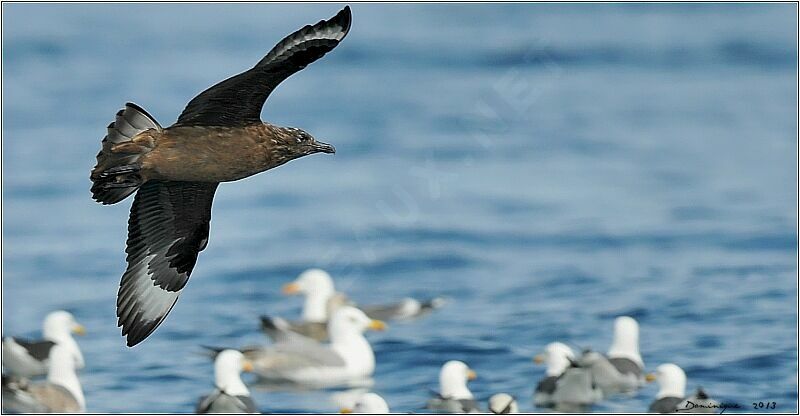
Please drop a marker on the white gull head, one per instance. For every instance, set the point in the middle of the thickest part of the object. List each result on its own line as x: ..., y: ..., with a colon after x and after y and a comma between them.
x: 557, y: 356
x: 453, y: 380
x: 671, y: 381
x: 317, y: 286
x: 228, y: 367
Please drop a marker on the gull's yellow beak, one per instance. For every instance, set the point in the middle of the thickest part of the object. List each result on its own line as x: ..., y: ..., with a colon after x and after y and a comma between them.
x: 345, y: 410
x: 377, y: 325
x: 79, y: 329
x: 472, y: 375
x: 650, y: 377
x: 538, y: 359
x: 247, y: 366
x: 291, y: 288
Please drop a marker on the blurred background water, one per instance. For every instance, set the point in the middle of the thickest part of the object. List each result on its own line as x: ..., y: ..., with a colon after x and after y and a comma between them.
x: 546, y: 166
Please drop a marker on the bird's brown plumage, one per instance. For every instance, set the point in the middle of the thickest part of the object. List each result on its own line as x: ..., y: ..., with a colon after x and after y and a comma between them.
x: 218, y: 137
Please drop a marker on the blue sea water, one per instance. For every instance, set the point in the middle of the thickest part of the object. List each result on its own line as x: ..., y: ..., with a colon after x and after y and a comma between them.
x: 546, y: 167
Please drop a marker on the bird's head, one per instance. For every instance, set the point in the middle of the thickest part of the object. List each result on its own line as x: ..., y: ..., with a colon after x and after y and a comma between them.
x: 298, y: 143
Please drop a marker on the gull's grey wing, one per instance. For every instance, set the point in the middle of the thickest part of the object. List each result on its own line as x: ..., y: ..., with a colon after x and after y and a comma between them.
x: 284, y: 357
x: 39, y: 350
x: 469, y: 406
x: 443, y: 404
x: 543, y: 394
x: 249, y: 404
x: 665, y: 405
x: 385, y: 312
x: 575, y: 386
x: 281, y: 331
x: 221, y: 402
x: 626, y: 365
x: 407, y: 308
x: 205, y: 402
x: 547, y: 385
x: 238, y: 100
x: 168, y: 227
x: 700, y: 403
x: 317, y: 331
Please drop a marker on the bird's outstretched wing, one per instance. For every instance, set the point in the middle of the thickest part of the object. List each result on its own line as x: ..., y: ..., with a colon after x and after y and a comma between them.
x: 238, y: 100
x: 167, y: 228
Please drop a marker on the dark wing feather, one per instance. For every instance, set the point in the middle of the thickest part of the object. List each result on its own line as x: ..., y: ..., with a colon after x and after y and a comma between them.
x: 39, y: 350
x: 168, y: 227
x: 547, y: 385
x: 249, y: 404
x: 238, y: 100
x: 665, y: 405
x: 626, y: 365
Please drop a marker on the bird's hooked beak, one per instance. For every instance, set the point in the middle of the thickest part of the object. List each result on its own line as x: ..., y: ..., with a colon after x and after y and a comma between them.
x: 345, y: 410
x: 471, y: 374
x: 79, y: 329
x: 650, y: 377
x: 538, y: 359
x: 247, y: 366
x: 320, y: 147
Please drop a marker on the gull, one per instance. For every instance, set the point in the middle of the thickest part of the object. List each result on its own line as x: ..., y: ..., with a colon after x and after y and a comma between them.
x: 347, y: 360
x: 567, y: 386
x: 230, y: 395
x: 321, y: 299
x: 454, y: 396
x: 30, y: 358
x: 672, y: 389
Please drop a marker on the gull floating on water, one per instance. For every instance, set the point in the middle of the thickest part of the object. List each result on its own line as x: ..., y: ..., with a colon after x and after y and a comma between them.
x: 556, y: 357
x: 321, y: 299
x: 454, y: 396
x: 60, y: 393
x: 622, y: 369
x: 566, y: 386
x: 369, y: 403
x: 29, y: 358
x: 230, y: 394
x: 672, y: 389
x: 347, y: 360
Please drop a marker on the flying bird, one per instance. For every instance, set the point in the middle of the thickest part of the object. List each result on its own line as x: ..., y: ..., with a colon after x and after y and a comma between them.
x: 219, y: 137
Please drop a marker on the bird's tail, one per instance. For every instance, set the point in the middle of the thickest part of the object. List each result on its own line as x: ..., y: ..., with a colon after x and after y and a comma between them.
x: 117, y: 173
